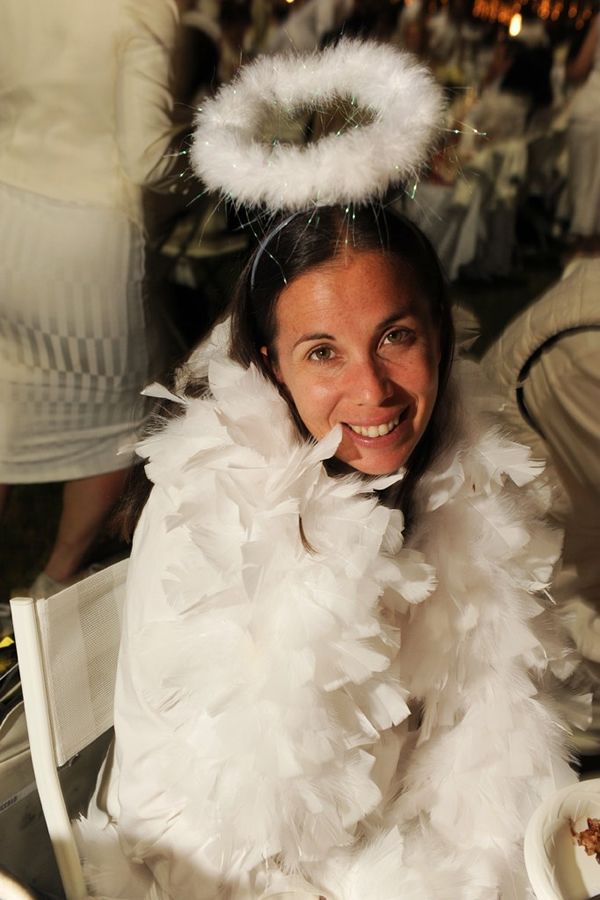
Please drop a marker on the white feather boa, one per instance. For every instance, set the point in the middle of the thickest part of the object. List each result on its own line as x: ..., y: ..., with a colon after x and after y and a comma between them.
x: 361, y: 717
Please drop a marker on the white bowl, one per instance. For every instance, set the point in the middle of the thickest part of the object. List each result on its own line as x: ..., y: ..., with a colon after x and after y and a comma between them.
x: 558, y: 868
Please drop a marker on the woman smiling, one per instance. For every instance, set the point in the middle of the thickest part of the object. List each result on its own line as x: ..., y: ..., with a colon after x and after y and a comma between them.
x: 329, y: 681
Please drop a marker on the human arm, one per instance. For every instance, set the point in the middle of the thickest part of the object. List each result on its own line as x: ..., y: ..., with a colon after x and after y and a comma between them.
x: 561, y: 394
x: 579, y: 68
x: 562, y: 397
x: 146, y: 133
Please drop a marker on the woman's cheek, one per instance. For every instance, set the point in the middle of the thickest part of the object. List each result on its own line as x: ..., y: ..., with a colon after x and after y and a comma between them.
x: 315, y: 399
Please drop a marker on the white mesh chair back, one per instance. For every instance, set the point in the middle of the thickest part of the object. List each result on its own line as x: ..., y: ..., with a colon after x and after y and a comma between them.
x: 80, y: 630
x: 67, y: 646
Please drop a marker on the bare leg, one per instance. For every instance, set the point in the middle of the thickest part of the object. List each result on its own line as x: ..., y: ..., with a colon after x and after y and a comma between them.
x: 4, y: 492
x: 86, y: 504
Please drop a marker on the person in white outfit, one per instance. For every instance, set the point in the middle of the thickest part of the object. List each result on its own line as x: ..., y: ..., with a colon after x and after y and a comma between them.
x: 330, y: 682
x: 85, y: 125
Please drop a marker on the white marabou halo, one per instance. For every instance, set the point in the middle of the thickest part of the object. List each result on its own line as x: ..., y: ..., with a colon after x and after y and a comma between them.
x: 355, y: 165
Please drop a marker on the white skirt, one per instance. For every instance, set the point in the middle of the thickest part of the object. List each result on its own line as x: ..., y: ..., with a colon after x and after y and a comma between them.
x: 73, y: 348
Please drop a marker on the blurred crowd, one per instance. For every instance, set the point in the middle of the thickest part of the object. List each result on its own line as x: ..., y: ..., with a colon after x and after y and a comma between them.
x: 521, y: 148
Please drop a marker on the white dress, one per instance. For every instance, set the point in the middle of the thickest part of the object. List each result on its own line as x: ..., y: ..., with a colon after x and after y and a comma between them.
x: 73, y: 341
x: 85, y: 123
x: 363, y: 720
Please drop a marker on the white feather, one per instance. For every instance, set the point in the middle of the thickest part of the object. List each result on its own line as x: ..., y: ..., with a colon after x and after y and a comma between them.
x: 274, y: 676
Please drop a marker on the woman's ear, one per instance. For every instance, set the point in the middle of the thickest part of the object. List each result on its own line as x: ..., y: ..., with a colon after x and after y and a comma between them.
x: 271, y: 364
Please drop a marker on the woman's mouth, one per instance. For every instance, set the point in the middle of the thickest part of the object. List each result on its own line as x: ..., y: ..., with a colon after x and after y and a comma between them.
x: 375, y: 431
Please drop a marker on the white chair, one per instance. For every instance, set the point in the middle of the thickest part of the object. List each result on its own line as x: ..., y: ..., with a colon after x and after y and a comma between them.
x: 67, y: 647
x: 557, y: 867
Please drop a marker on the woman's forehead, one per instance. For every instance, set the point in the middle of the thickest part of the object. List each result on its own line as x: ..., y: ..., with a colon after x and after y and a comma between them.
x: 368, y: 286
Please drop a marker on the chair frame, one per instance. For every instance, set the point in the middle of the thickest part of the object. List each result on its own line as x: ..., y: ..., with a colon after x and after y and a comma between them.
x: 46, y: 750
x: 41, y: 739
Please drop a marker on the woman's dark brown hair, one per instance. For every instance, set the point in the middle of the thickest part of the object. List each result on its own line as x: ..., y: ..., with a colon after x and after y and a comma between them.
x: 297, y: 243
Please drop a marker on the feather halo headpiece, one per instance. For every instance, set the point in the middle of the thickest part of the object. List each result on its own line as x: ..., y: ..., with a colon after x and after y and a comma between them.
x: 390, y: 109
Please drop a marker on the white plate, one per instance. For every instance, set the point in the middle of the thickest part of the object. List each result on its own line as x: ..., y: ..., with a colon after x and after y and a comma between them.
x: 558, y: 868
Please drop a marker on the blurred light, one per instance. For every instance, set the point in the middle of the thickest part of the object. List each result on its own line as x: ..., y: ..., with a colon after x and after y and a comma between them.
x: 289, y: 1
x: 515, y: 25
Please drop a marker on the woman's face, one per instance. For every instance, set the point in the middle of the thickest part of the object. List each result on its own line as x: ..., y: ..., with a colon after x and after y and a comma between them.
x: 355, y: 345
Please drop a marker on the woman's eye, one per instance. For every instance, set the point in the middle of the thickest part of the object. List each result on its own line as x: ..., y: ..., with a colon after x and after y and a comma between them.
x: 398, y: 336
x: 321, y: 354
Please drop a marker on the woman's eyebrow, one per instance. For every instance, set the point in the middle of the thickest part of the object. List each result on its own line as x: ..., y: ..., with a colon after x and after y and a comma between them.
x: 399, y: 314
x: 324, y: 336
x: 317, y: 336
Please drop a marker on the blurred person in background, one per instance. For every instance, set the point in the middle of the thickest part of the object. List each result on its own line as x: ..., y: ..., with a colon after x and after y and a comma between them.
x: 307, y: 24
x: 546, y: 370
x: 411, y: 32
x: 234, y: 22
x: 516, y: 96
x: 583, y: 140
x: 85, y: 124
x: 366, y: 19
x: 197, y: 57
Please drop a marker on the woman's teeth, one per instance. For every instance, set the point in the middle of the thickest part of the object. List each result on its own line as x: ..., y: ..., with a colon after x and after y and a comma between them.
x: 375, y: 430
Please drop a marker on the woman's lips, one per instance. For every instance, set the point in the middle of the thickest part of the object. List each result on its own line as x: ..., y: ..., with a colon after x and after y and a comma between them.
x: 376, y: 435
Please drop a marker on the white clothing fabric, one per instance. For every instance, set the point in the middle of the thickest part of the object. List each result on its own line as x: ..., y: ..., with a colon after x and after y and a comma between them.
x: 84, y: 125
x: 557, y: 341
x: 303, y: 702
x: 496, y: 115
x: 583, y: 145
x: 471, y: 222
x: 303, y: 29
x: 85, y: 107
x: 73, y: 344
x: 444, y: 37
x: 533, y: 33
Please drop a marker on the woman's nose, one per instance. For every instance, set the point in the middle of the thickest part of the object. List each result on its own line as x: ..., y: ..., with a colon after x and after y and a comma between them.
x: 371, y: 383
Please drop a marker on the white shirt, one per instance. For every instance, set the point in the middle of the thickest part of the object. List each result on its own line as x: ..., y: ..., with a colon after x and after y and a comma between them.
x: 85, y: 106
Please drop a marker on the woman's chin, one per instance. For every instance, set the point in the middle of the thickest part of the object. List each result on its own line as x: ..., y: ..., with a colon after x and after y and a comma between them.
x: 368, y: 468
x: 375, y: 463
